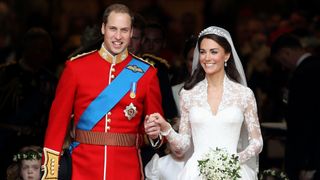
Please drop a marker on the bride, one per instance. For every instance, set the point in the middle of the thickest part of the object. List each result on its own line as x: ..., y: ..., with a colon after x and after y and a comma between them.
x: 218, y: 110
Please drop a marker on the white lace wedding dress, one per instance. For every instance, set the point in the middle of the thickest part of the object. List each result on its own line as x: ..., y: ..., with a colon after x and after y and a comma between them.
x: 236, y: 110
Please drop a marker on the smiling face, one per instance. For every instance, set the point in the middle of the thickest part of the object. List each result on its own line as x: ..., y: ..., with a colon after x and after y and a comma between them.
x: 212, y: 56
x: 30, y: 169
x: 117, y: 32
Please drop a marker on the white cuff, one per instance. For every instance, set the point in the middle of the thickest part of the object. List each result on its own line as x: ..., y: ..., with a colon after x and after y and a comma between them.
x: 166, y: 133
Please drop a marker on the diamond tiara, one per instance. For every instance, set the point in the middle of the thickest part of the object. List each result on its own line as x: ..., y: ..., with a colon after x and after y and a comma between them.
x: 212, y: 30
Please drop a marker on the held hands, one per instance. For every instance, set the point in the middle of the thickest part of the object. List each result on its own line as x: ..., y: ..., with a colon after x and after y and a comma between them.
x: 155, y: 124
x: 151, y: 128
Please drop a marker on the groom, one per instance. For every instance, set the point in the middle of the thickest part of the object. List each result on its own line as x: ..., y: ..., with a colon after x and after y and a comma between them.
x: 109, y: 91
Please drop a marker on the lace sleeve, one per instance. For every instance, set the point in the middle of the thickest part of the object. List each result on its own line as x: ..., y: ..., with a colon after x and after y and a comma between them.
x: 180, y: 142
x: 253, y: 128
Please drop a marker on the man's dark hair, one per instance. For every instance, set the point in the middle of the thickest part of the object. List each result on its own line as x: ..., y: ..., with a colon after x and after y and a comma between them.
x: 190, y: 43
x: 156, y: 25
x: 33, y: 34
x: 287, y: 40
x: 139, y: 21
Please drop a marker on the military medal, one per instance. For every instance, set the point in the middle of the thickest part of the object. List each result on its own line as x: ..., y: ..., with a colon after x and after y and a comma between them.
x: 130, y: 111
x: 133, y: 90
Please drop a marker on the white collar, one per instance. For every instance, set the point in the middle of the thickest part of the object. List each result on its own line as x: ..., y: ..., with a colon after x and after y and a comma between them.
x: 303, y: 57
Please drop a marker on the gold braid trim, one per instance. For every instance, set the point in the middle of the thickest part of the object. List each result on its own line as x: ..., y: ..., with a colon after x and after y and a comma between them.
x: 143, y: 60
x: 51, y: 164
x: 80, y: 55
x: 153, y: 57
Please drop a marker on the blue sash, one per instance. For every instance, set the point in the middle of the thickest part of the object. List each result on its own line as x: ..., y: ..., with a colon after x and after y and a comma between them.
x: 111, y: 95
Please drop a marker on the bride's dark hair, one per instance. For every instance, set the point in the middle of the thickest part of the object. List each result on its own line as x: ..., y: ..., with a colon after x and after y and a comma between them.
x: 199, y: 74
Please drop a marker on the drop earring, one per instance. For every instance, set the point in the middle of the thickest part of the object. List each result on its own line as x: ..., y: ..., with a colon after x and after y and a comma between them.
x: 225, y: 64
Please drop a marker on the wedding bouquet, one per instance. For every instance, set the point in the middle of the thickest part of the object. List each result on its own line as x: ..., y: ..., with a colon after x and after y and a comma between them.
x: 218, y: 164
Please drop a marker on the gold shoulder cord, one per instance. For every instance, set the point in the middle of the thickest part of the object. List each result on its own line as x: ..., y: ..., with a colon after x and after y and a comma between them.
x: 156, y: 58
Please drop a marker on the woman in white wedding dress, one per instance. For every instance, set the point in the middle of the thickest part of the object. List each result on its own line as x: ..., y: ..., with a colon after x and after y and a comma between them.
x: 217, y: 109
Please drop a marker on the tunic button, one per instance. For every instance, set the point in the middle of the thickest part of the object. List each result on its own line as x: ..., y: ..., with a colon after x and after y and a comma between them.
x: 108, y: 120
x: 108, y: 127
x: 112, y: 76
x: 113, y: 69
x: 109, y: 113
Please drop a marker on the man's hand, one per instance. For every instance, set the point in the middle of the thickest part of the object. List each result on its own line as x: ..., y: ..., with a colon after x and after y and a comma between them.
x: 152, y: 129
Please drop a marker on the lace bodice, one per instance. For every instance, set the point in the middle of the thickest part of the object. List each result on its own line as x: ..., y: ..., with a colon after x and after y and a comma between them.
x: 237, y: 108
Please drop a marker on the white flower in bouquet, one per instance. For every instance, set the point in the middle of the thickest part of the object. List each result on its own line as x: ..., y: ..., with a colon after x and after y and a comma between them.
x: 218, y: 164
x: 277, y: 174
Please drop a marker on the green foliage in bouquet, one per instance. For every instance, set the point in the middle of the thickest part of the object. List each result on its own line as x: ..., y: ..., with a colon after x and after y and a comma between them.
x: 275, y: 174
x: 218, y: 164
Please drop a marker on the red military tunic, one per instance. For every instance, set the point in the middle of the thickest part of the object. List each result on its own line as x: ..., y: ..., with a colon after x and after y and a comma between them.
x: 81, y: 82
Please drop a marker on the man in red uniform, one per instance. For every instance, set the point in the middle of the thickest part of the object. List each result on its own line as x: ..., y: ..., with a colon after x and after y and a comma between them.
x: 109, y: 91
